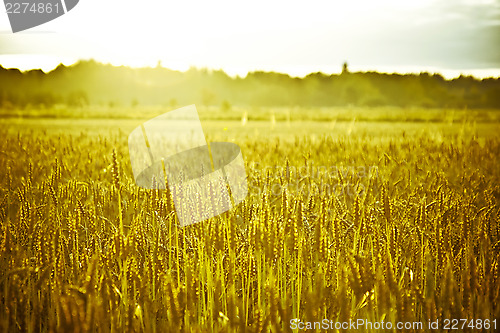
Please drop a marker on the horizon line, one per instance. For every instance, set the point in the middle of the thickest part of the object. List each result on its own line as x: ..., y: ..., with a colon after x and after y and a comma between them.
x: 244, y: 73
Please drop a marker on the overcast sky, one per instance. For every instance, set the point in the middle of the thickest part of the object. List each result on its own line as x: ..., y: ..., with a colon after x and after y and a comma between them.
x: 296, y: 37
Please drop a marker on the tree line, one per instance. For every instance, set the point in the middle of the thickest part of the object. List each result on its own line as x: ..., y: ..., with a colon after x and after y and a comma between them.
x: 93, y: 83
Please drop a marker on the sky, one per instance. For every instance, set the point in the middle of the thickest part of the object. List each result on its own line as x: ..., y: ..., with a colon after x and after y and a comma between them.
x: 295, y: 37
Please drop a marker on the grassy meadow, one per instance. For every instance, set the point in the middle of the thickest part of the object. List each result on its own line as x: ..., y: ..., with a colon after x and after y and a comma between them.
x: 377, y: 214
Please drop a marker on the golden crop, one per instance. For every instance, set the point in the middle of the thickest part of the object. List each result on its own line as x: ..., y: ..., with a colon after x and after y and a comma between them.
x: 405, y: 229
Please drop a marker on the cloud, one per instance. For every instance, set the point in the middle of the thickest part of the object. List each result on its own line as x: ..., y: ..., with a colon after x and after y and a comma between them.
x: 445, y: 34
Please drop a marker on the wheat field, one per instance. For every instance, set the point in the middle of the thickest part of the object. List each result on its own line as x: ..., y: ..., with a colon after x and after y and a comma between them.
x: 399, y: 228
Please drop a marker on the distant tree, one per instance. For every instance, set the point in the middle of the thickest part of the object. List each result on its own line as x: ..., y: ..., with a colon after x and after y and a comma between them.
x: 207, y: 96
x: 351, y: 95
x: 42, y: 99
x: 77, y: 98
x: 173, y: 103
x: 92, y: 82
x: 345, y: 69
x: 493, y: 98
x: 225, y: 106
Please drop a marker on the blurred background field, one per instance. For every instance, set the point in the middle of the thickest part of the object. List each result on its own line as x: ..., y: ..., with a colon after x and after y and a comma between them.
x: 280, y: 127
x: 265, y: 121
